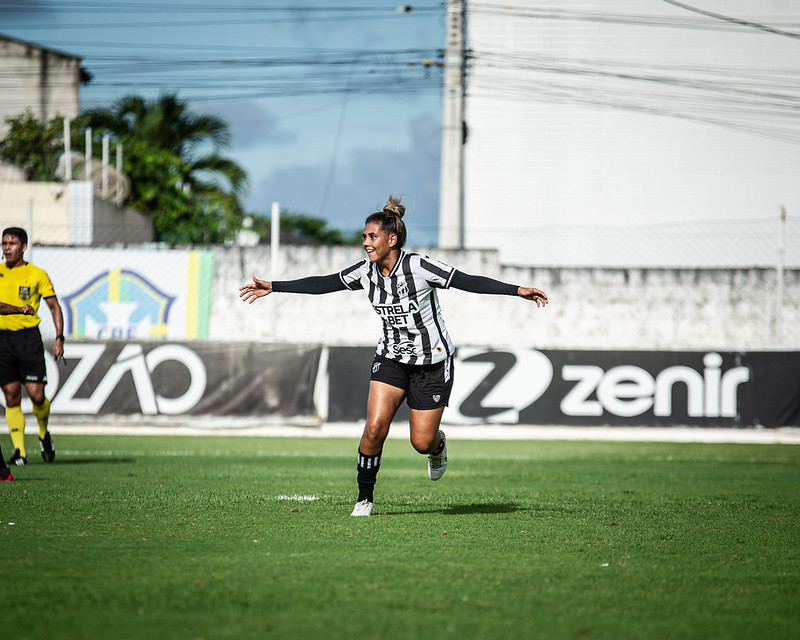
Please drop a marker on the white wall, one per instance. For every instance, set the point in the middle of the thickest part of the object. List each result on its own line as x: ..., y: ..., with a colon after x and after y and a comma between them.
x: 50, y: 207
x: 590, y: 308
x: 70, y: 214
x: 622, y: 112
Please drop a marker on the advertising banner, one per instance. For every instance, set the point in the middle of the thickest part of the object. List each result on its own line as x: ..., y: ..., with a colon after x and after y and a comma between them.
x: 588, y: 388
x: 183, y: 379
x: 524, y: 386
x: 132, y: 294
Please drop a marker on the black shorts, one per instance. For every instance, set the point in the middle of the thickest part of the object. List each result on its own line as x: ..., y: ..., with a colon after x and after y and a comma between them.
x: 22, y: 356
x: 427, y: 386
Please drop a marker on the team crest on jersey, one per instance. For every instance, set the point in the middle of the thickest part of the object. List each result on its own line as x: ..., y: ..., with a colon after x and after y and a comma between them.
x: 402, y: 288
x: 24, y: 293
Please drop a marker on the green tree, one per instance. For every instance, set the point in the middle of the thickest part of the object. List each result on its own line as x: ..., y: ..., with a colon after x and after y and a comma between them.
x: 302, y: 228
x: 172, y: 157
x: 178, y: 177
x: 33, y: 146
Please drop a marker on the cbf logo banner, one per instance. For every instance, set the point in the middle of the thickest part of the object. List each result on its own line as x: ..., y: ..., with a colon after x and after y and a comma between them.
x: 132, y: 294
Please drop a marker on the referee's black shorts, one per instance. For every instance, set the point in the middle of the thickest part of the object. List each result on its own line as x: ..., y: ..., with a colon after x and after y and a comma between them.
x: 427, y: 386
x: 22, y: 356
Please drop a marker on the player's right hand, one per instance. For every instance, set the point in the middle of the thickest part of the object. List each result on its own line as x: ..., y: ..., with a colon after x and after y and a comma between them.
x: 254, y: 290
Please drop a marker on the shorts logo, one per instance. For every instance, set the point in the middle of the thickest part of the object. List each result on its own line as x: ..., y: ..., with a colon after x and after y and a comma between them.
x: 375, y: 367
x: 24, y: 293
x: 437, y: 397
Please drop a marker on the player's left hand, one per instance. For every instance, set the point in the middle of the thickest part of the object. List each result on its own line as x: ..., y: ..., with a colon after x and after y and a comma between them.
x: 533, y: 295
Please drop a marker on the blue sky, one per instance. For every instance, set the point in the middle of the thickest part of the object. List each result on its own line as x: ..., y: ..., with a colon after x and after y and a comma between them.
x: 331, y: 107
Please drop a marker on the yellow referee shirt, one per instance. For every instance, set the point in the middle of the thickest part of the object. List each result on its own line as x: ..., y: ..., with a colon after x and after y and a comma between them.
x: 25, y: 284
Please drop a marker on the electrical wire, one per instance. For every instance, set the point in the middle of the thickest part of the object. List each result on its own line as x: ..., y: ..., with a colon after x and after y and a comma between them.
x: 764, y: 101
x: 737, y: 21
x: 606, y: 17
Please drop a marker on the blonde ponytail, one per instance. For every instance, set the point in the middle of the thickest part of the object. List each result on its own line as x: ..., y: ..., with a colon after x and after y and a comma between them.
x: 394, y: 206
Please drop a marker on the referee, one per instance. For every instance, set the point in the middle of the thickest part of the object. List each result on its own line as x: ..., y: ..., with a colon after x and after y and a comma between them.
x: 21, y: 349
x: 414, y: 358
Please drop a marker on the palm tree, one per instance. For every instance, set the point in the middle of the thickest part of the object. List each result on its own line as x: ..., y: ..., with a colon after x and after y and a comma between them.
x: 210, y: 181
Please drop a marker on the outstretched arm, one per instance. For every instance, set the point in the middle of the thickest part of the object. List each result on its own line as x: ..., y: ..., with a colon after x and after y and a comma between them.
x: 482, y: 284
x: 313, y: 285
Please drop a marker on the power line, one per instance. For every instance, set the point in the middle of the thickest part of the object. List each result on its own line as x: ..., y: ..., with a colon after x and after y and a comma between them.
x: 70, y: 6
x: 186, y: 15
x: 606, y: 17
x: 757, y: 100
x: 761, y: 101
x: 737, y: 21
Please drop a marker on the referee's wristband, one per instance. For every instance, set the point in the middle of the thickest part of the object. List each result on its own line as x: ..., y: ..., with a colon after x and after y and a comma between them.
x: 60, y: 338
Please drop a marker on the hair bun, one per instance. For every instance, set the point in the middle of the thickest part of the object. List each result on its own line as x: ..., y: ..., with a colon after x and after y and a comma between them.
x: 394, y: 206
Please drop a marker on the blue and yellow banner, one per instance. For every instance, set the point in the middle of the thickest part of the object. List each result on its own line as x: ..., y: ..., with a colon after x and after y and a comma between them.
x: 132, y: 294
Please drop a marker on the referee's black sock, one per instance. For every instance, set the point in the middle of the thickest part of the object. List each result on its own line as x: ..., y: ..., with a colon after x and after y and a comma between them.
x: 367, y: 475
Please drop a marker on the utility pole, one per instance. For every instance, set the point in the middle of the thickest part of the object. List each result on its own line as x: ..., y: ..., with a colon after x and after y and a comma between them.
x: 451, y: 184
x: 778, y: 332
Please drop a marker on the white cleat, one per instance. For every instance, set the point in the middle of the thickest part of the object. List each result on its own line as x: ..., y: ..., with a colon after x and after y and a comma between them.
x: 363, y: 508
x: 437, y: 465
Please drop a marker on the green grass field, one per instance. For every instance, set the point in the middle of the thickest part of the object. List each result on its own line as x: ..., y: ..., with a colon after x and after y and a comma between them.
x: 209, y: 537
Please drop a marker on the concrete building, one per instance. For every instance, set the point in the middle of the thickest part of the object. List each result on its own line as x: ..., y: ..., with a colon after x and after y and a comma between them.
x: 43, y: 80
x: 71, y: 212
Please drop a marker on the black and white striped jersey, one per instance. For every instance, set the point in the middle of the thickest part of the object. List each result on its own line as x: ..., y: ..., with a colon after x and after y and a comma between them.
x: 406, y: 301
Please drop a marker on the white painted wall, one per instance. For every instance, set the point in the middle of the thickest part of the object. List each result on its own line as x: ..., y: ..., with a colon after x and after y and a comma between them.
x: 70, y: 214
x: 590, y: 308
x: 50, y: 208
x: 623, y: 112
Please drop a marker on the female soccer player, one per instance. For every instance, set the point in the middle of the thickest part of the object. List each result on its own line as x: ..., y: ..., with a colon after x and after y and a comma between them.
x: 414, y: 358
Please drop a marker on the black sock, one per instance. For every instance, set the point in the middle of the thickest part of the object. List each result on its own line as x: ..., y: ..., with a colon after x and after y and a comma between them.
x: 440, y: 448
x: 367, y: 475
